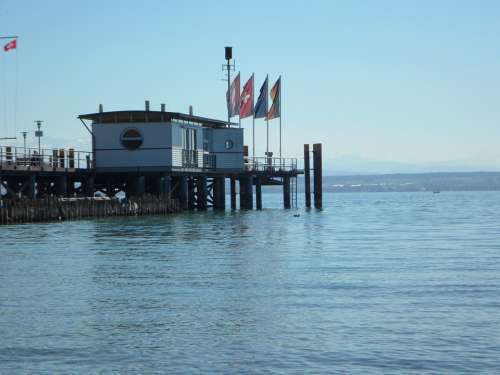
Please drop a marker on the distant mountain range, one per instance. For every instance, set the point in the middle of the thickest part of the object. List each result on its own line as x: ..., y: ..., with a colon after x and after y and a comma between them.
x: 356, y: 165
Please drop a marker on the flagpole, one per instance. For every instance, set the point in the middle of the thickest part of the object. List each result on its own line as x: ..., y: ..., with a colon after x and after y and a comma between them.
x: 280, y: 114
x: 267, y: 135
x: 253, y: 117
x: 253, y: 136
x: 267, y: 118
x: 280, y: 135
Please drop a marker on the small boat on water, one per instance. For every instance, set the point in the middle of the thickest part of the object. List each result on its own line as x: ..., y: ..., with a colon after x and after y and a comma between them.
x: 436, y: 192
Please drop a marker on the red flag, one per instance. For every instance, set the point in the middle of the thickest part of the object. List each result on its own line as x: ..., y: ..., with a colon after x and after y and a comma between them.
x: 275, y: 110
x: 246, y: 104
x: 11, y: 45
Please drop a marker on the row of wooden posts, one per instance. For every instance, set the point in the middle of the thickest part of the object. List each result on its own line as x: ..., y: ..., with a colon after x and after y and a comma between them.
x: 53, y: 209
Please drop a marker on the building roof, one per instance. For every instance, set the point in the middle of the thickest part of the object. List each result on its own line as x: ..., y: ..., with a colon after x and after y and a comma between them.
x: 151, y: 116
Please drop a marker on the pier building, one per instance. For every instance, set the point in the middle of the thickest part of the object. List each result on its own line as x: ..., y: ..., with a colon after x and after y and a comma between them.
x: 137, y: 153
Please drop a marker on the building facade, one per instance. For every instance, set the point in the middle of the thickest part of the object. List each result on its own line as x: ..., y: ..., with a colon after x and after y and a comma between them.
x: 149, y: 141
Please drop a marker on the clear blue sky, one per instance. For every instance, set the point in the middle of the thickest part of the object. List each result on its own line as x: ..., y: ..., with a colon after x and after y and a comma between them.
x: 405, y: 81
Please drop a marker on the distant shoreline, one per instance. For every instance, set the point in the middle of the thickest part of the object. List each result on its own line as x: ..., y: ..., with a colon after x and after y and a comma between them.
x: 411, y: 182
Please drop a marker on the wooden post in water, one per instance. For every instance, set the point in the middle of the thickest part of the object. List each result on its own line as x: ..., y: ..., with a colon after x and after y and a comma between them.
x: 307, y: 176
x: 258, y: 193
x: 233, y: 193
x: 286, y: 192
x: 318, y: 176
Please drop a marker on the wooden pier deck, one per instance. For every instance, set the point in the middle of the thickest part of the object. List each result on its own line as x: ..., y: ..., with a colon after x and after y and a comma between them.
x: 29, y: 174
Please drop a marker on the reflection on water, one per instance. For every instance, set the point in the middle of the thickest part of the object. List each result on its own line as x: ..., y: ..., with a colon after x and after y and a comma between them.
x: 374, y: 284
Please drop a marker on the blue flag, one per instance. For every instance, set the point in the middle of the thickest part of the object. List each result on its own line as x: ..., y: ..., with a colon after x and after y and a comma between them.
x: 261, y: 105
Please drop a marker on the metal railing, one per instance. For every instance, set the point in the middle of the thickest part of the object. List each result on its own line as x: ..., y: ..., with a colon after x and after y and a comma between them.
x: 209, y: 161
x: 43, y: 159
x: 190, y: 158
x: 263, y: 164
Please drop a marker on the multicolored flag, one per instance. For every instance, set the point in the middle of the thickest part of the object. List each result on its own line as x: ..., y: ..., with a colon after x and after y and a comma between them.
x: 261, y: 105
x: 246, y: 102
x: 275, y: 110
x: 11, y: 45
x: 234, y: 97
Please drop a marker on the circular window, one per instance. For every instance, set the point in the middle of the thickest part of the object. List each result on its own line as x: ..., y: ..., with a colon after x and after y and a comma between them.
x: 229, y: 144
x: 131, y: 139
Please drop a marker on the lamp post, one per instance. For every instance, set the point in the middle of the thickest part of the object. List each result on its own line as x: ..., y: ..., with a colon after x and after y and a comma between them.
x: 25, y: 134
x: 39, y: 134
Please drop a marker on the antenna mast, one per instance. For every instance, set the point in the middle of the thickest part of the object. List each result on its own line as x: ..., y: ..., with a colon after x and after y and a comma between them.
x: 228, y: 67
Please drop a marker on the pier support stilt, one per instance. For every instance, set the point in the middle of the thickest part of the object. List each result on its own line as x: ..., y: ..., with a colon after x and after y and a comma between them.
x: 219, y: 193
x: 258, y: 193
x: 246, y: 193
x: 88, y: 186
x: 318, y: 176
x: 62, y: 186
x: 286, y: 192
x: 233, y: 193
x: 165, y: 182
x: 307, y: 176
x: 191, y: 203
x: 201, y: 193
x: 31, y: 187
x: 140, y: 187
x: 183, y: 191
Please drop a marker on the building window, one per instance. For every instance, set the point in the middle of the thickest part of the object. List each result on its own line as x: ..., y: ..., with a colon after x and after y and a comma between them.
x: 229, y: 144
x: 131, y: 139
x: 189, y: 141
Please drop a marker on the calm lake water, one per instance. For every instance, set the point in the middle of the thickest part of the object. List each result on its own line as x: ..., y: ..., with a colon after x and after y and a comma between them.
x: 389, y: 283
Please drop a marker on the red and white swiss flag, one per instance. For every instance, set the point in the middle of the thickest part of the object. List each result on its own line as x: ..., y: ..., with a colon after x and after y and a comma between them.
x: 11, y: 45
x: 246, y: 97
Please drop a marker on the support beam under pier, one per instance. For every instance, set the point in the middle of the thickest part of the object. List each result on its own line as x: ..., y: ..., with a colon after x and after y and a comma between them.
x: 183, y: 191
x: 201, y: 193
x: 165, y: 184
x: 191, y: 202
x: 62, y: 186
x: 219, y: 193
x: 246, y: 193
x: 31, y: 187
x: 233, y: 193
